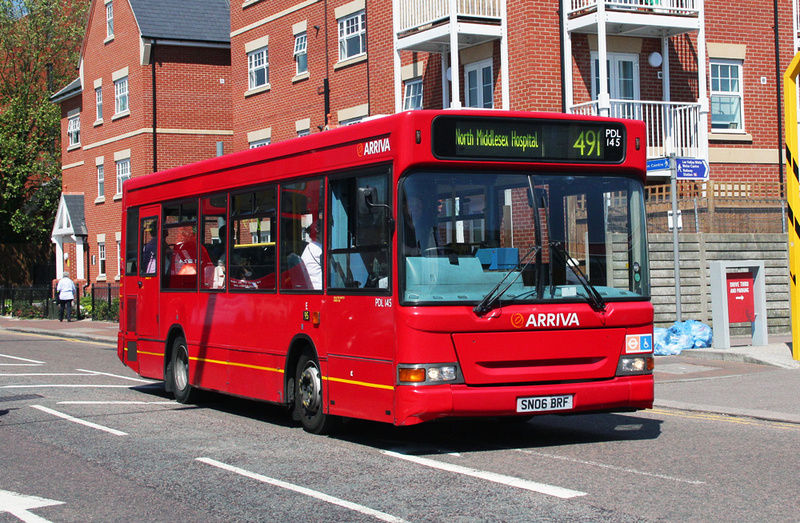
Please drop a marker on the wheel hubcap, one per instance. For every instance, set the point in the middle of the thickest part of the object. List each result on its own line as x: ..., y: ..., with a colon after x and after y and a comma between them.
x: 181, y: 370
x: 310, y: 388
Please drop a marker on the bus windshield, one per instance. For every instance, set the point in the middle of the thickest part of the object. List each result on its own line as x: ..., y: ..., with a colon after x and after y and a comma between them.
x: 489, y: 239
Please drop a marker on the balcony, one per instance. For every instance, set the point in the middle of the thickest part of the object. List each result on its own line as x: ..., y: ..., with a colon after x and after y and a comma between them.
x: 672, y: 127
x: 424, y: 25
x: 641, y: 18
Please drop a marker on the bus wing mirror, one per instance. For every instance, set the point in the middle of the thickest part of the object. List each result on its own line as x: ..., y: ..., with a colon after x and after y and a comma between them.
x: 366, y: 199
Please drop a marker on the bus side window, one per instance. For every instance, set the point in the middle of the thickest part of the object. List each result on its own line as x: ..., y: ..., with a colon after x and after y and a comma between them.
x: 213, y: 242
x: 149, y: 241
x: 179, y: 246
x: 250, y: 235
x: 360, y: 236
x: 302, y: 235
x: 132, y: 242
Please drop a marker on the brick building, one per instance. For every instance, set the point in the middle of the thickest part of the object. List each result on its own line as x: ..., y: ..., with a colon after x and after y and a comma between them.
x: 153, y: 92
x: 706, y: 83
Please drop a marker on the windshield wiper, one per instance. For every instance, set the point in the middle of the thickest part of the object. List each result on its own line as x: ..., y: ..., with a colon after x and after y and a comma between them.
x: 595, y: 300
x: 488, y: 302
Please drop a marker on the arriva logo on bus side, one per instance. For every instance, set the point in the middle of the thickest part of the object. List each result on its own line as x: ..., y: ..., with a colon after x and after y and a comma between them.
x: 374, y: 147
x: 545, y: 320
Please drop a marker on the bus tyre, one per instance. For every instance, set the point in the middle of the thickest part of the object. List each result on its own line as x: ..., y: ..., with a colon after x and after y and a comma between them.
x: 308, y: 406
x: 184, y: 392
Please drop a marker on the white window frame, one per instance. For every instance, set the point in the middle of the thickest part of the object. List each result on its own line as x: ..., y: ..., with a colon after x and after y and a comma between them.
x: 101, y: 256
x: 412, y: 98
x: 123, y: 168
x: 260, y: 143
x: 717, y: 91
x: 257, y: 60
x: 98, y: 104
x: 478, y: 67
x: 101, y: 181
x: 301, y: 53
x: 109, y: 19
x: 121, y: 101
x: 352, y: 27
x: 74, y: 130
x: 119, y: 258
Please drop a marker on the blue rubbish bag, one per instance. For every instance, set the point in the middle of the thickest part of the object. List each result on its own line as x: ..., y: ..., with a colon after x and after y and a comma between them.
x: 681, y: 336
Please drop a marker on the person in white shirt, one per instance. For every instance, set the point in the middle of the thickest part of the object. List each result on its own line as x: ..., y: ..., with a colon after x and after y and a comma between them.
x: 66, y: 293
x: 312, y: 256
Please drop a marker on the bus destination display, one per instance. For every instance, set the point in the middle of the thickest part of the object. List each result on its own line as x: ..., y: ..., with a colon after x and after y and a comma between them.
x: 487, y: 138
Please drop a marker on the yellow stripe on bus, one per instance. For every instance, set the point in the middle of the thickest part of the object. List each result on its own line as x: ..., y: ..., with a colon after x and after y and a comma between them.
x: 361, y: 383
x: 233, y: 364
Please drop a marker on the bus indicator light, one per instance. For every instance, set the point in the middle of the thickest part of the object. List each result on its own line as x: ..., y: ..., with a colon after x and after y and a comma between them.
x: 412, y: 375
x: 315, y: 318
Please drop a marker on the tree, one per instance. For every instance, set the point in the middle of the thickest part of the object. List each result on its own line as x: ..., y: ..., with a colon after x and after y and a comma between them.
x: 39, y: 48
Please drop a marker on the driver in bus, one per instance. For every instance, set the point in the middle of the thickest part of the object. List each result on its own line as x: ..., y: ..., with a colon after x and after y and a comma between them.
x: 419, y: 231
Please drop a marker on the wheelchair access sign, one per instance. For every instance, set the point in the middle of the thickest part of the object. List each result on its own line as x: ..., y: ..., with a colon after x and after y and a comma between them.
x: 636, y: 343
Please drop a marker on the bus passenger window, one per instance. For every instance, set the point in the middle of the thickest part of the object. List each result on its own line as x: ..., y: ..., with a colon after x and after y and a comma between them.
x: 213, y: 246
x: 250, y: 233
x: 360, y: 238
x: 179, y: 249
x: 149, y: 234
x: 302, y: 235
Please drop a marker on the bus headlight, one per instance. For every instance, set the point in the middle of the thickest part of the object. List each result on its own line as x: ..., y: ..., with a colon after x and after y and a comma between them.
x: 428, y: 374
x: 632, y: 365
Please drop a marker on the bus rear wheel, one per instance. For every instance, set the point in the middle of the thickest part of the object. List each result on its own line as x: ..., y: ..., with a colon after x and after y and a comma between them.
x: 184, y: 392
x: 308, y: 405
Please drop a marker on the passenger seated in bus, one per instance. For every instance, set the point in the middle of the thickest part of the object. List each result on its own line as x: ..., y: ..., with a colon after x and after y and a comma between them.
x: 419, y: 230
x: 312, y: 256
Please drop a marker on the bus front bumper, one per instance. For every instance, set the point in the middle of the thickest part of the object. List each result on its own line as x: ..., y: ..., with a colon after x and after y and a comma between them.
x: 418, y: 404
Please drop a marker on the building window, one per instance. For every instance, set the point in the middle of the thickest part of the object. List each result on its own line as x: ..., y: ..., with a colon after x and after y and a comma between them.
x: 101, y: 252
x: 300, y: 53
x: 352, y: 36
x: 109, y: 20
x: 123, y: 173
x: 479, y: 84
x: 98, y: 103
x: 119, y: 259
x: 726, y: 95
x: 101, y: 181
x: 74, y: 130
x: 258, y: 68
x: 303, y: 132
x: 121, y: 96
x: 413, y: 97
x: 259, y: 143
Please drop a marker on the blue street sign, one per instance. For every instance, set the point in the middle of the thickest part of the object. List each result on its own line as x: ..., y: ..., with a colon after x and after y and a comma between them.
x: 658, y: 164
x: 692, y: 169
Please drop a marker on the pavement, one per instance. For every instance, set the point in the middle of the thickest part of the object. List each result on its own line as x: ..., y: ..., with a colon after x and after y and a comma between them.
x: 758, y: 382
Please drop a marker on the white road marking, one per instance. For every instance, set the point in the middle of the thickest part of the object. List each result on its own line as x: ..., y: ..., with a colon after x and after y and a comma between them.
x: 611, y: 467
x: 117, y: 403
x: 98, y: 373
x: 80, y: 421
x: 19, y: 505
x: 22, y: 359
x: 55, y: 386
x: 302, y: 490
x: 542, y: 488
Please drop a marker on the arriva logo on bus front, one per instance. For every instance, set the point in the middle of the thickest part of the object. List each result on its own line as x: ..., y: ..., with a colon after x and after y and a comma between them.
x: 374, y: 147
x: 545, y: 320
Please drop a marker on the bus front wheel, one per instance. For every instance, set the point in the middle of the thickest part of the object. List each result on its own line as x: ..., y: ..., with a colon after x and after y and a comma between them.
x: 308, y: 397
x: 184, y: 392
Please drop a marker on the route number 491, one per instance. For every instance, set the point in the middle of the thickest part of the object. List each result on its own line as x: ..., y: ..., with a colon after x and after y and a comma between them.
x: 589, y: 143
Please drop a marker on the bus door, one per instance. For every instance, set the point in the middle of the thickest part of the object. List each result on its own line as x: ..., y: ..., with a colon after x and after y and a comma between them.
x: 145, y: 286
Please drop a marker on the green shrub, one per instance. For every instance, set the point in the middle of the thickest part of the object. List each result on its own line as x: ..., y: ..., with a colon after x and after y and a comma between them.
x: 26, y: 311
x: 105, y: 312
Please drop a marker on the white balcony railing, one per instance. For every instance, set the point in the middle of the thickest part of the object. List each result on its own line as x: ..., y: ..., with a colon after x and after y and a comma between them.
x: 672, y: 7
x: 414, y: 14
x: 671, y: 126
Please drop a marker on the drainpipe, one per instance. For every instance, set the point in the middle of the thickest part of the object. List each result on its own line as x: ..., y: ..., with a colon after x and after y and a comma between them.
x: 779, y: 97
x: 155, y: 117
x: 563, y: 65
